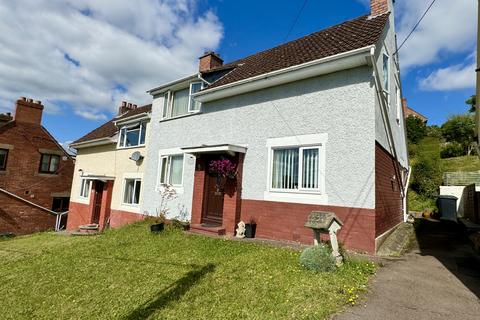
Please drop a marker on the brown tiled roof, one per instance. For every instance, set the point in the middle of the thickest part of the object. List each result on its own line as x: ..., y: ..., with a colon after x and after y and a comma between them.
x: 350, y: 35
x: 109, y: 129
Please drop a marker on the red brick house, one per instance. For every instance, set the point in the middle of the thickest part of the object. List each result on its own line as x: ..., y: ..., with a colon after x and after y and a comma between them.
x: 35, y: 172
x: 407, y: 111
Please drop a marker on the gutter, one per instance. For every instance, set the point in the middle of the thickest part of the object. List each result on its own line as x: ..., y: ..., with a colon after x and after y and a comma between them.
x: 341, y: 61
x: 93, y: 143
x: 384, y: 108
x: 57, y: 214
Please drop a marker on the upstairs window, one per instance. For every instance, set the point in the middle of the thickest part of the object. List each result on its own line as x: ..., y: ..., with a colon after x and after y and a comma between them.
x: 181, y: 102
x: 131, y: 194
x: 386, y: 73
x: 3, y: 159
x: 131, y: 136
x: 49, y: 163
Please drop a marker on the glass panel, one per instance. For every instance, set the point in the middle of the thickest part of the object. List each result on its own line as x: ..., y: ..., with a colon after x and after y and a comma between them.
x: 55, y: 160
x: 138, y: 185
x: 165, y: 105
x: 176, y: 169
x: 195, y: 105
x: 285, y: 169
x: 45, y: 163
x: 310, y: 169
x: 3, y: 158
x: 180, y: 102
x: 85, y: 188
x: 163, y: 173
x: 122, y: 137
x: 128, y: 194
x: 143, y: 133
x: 386, y: 73
x: 132, y: 137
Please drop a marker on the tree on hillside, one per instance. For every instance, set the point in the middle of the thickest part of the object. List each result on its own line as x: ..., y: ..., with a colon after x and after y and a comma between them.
x: 472, y: 102
x: 416, y: 129
x: 460, y: 129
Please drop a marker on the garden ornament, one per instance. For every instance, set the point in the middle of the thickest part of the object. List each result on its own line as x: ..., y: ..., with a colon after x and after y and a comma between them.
x: 326, y: 222
x: 241, y: 230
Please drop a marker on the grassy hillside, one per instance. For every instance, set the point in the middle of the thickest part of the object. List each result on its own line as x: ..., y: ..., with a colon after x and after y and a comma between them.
x: 465, y: 163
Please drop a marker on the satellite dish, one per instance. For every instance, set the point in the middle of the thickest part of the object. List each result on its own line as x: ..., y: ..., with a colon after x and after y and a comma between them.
x: 136, y: 156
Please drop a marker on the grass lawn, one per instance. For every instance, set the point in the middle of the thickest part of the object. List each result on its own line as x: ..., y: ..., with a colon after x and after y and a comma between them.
x: 465, y: 163
x: 129, y: 273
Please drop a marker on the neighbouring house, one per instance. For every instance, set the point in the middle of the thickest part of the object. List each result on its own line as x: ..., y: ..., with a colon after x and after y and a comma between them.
x: 35, y: 172
x: 109, y: 169
x: 313, y: 124
x: 407, y: 111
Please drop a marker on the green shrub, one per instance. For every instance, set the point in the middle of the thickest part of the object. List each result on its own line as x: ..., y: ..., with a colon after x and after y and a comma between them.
x: 177, y: 224
x: 426, y: 169
x: 318, y: 258
x: 416, y: 129
x: 452, y: 150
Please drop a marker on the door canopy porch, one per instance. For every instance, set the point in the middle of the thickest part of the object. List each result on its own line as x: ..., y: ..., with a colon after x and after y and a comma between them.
x: 229, y: 149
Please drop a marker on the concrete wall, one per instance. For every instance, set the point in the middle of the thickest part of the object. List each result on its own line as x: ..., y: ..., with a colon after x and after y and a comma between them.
x: 340, y: 105
x: 457, y: 191
x: 109, y: 161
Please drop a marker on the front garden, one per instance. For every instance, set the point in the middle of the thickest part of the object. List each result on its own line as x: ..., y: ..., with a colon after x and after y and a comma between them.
x: 130, y: 273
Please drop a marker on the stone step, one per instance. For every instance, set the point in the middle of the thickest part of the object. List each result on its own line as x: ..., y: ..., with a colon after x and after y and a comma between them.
x: 207, y: 229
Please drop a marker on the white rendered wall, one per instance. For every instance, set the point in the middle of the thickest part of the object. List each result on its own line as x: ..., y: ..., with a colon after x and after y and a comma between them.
x: 340, y: 105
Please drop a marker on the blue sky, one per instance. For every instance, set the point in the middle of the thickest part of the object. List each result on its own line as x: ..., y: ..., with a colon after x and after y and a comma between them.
x: 83, y: 57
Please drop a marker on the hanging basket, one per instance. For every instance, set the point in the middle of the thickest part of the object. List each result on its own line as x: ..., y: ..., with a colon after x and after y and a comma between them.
x: 223, y: 169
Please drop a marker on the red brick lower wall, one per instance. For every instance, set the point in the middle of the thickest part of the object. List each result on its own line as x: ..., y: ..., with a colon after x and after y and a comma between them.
x: 284, y: 221
x: 20, y: 218
x: 120, y: 218
x: 81, y: 213
x: 388, y: 200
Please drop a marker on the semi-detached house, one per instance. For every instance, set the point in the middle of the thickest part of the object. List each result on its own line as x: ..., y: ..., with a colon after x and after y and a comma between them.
x: 313, y: 124
x: 109, y: 168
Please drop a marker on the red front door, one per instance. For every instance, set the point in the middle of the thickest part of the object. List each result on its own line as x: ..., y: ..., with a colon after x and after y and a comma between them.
x: 213, y: 209
x: 97, y: 204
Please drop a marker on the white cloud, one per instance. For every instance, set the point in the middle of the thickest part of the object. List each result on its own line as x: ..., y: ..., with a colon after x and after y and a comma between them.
x: 92, y: 54
x: 451, y: 78
x: 448, y: 28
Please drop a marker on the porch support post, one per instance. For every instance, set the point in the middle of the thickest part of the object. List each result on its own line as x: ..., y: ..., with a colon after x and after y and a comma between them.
x: 233, y: 199
x: 198, y: 190
x: 106, y: 203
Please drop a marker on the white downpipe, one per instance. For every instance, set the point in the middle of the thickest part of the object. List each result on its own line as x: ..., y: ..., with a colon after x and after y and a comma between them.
x: 57, y: 214
x: 404, y: 200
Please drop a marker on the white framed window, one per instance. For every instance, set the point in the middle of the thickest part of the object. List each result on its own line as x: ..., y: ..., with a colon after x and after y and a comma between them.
x: 85, y: 187
x: 181, y: 102
x: 295, y: 169
x: 386, y: 72
x: 131, y: 191
x: 133, y: 135
x: 171, y: 170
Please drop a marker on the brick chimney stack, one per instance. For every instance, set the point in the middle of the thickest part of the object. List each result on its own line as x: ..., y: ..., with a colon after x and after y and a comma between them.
x: 209, y: 60
x: 126, y: 107
x: 28, y: 111
x: 379, y: 7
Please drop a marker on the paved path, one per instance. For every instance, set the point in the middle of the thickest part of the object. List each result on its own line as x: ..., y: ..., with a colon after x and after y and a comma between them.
x: 438, y: 279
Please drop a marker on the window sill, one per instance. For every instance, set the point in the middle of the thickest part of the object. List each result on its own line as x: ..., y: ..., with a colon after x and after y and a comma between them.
x: 131, y: 147
x: 45, y: 174
x: 135, y: 208
x: 303, y: 197
x: 182, y: 116
x: 82, y: 200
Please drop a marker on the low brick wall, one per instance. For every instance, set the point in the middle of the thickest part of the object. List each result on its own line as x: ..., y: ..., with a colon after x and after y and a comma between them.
x: 21, y: 218
x: 120, y: 218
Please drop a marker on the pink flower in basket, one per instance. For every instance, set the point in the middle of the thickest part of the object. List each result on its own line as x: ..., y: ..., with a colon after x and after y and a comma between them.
x: 223, y: 168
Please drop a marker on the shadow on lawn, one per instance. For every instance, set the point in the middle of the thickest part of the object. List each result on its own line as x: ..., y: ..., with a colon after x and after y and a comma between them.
x: 172, y: 293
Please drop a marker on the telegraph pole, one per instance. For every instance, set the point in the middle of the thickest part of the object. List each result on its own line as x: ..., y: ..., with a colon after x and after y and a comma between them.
x: 477, y: 99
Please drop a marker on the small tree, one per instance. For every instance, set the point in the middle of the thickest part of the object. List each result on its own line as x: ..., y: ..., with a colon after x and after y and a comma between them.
x: 416, y: 129
x: 472, y: 102
x: 460, y: 129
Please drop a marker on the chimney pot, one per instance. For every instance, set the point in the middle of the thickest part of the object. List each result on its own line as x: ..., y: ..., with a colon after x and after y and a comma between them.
x: 209, y: 60
x: 23, y: 98
x: 30, y: 100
